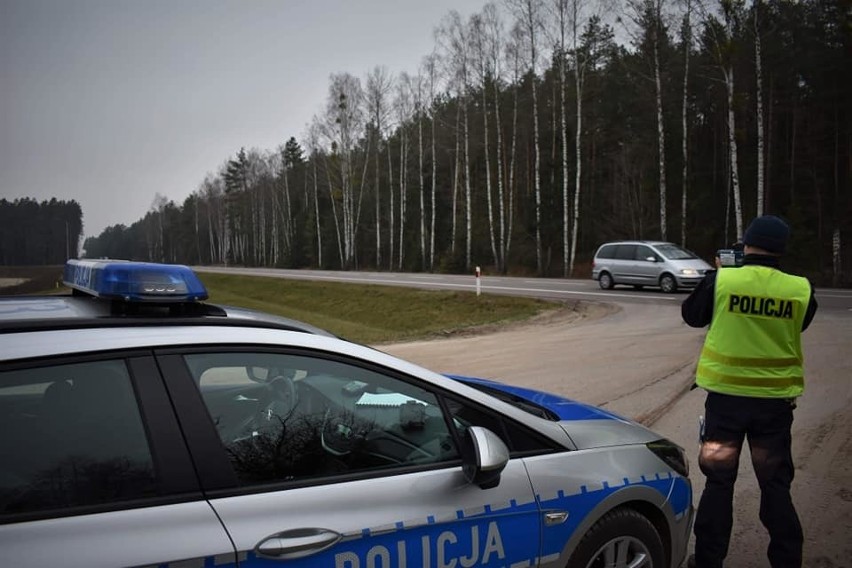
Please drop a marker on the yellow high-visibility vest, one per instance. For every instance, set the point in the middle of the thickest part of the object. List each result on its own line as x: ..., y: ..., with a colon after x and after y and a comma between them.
x: 754, y: 345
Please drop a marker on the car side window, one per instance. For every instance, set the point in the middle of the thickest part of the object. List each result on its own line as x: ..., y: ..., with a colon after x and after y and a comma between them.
x: 626, y: 252
x: 518, y: 440
x: 293, y: 417
x: 643, y: 252
x: 70, y: 436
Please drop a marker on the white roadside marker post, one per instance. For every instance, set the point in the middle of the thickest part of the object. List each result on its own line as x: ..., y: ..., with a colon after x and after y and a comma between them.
x: 478, y: 274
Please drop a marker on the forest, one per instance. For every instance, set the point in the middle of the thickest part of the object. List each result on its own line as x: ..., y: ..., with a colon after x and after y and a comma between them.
x: 534, y: 131
x: 39, y: 233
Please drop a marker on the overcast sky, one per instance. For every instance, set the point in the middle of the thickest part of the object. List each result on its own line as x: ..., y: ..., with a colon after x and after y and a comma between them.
x: 109, y: 102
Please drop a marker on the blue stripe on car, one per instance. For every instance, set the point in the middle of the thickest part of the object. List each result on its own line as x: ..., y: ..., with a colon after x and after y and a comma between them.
x: 564, y: 408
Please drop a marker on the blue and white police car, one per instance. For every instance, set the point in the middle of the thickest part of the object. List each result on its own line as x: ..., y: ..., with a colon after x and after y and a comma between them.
x: 142, y: 426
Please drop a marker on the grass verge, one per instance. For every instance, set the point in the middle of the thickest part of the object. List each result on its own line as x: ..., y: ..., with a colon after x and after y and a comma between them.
x: 372, y: 314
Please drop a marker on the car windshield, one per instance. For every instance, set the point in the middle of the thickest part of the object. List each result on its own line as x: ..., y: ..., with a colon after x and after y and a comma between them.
x: 674, y: 252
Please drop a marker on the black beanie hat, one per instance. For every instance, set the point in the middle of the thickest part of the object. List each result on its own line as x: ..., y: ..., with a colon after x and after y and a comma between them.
x: 769, y: 233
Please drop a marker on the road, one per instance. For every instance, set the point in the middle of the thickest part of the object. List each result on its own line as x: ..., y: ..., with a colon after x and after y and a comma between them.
x: 549, y: 288
x: 630, y: 352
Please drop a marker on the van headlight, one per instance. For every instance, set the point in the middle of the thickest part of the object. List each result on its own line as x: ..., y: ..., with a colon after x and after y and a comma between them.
x: 689, y: 272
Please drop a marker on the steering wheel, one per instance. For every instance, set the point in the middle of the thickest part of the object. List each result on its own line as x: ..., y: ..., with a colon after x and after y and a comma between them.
x: 276, y: 404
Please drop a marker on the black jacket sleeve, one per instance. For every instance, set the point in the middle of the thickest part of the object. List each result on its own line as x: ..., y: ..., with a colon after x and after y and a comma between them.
x: 811, y: 311
x: 697, y: 309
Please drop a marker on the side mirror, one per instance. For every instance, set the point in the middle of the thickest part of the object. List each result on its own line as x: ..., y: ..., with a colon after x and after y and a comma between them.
x: 484, y: 457
x: 651, y: 258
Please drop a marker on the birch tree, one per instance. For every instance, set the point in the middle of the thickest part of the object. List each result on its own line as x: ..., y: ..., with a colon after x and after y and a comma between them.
x: 312, y: 144
x: 419, y: 96
x: 528, y: 14
x: 344, y: 124
x: 686, y: 38
x: 454, y: 42
x: 404, y: 107
x: 430, y: 67
x: 758, y: 68
x: 482, y: 63
x: 647, y: 16
x: 721, y: 36
x: 581, y: 15
x: 379, y: 85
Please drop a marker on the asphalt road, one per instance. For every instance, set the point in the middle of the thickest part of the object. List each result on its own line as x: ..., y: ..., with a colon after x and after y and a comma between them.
x: 630, y: 352
x: 549, y: 288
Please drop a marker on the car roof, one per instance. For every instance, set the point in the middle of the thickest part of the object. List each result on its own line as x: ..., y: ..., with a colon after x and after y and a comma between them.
x: 637, y: 242
x: 76, y: 311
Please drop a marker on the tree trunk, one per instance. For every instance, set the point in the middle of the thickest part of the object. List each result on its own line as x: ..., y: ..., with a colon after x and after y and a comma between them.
x: 538, y: 259
x: 422, y: 191
x: 732, y: 146
x: 317, y: 215
x: 378, y: 193
x: 390, y: 206
x: 488, y: 196
x: 661, y: 135
x: 501, y: 265
x: 434, y: 189
x: 687, y: 41
x: 467, y: 212
x: 563, y: 132
x: 759, y: 77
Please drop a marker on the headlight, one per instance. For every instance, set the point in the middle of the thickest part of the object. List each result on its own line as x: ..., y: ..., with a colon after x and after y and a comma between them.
x: 689, y: 272
x: 672, y: 454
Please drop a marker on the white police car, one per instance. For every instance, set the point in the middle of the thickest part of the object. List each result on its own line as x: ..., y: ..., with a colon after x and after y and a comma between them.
x: 144, y: 427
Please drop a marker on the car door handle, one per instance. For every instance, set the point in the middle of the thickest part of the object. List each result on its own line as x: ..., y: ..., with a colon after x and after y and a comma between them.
x: 296, y: 543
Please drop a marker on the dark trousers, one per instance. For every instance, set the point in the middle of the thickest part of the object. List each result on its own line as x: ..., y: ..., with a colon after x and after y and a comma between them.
x: 766, y: 424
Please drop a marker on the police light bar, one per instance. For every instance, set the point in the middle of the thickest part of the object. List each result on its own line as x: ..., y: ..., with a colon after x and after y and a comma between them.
x: 134, y: 281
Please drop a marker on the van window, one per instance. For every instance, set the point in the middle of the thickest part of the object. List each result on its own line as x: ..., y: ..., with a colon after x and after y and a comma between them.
x: 607, y: 251
x: 626, y: 252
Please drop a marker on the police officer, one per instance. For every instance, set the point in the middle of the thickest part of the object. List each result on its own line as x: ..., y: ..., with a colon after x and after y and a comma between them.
x: 751, y: 368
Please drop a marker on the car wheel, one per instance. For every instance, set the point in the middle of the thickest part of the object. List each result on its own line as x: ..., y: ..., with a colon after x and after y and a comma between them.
x: 605, y: 281
x: 621, y: 539
x: 667, y: 283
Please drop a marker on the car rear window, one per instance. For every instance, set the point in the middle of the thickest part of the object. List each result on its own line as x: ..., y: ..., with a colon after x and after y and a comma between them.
x: 607, y: 251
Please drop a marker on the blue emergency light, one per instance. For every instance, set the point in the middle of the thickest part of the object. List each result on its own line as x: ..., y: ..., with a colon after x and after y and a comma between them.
x: 134, y: 281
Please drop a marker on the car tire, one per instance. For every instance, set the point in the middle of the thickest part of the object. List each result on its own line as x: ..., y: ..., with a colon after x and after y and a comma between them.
x: 624, y: 535
x: 668, y: 284
x: 605, y: 281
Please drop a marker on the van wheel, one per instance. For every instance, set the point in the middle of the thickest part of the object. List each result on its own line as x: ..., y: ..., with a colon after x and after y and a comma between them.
x: 667, y: 283
x: 605, y: 281
x: 621, y: 539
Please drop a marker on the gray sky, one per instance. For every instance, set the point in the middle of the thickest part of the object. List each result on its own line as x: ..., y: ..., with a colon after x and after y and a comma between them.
x: 112, y: 101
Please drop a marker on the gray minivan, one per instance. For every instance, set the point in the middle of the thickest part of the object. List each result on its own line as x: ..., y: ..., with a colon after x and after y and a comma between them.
x: 647, y: 263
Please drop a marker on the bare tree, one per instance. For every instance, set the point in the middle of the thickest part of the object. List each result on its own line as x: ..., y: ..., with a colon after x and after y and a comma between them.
x: 482, y: 62
x: 528, y: 14
x: 419, y: 93
x: 403, y: 105
x: 454, y: 42
x: 379, y: 85
x: 647, y: 16
x: 343, y: 127
x: 686, y: 30
x: 430, y: 65
x: 758, y: 62
x: 312, y: 144
x: 721, y: 36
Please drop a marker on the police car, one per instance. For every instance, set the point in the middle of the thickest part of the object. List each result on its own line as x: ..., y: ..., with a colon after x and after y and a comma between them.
x: 142, y: 426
